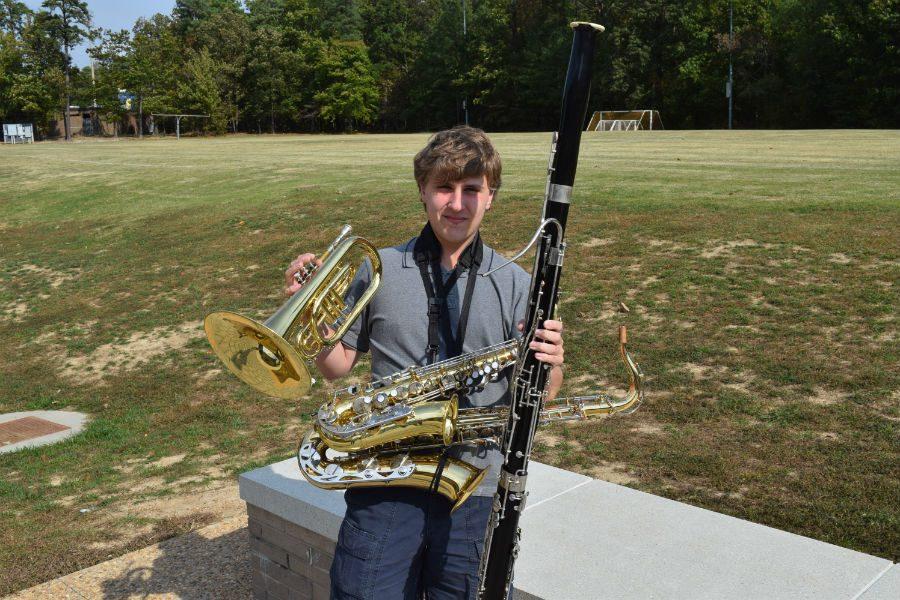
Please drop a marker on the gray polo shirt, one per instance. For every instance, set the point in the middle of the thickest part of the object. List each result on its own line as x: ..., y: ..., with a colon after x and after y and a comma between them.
x: 394, y: 328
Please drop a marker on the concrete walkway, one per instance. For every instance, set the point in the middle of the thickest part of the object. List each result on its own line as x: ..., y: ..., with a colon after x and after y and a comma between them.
x: 212, y: 563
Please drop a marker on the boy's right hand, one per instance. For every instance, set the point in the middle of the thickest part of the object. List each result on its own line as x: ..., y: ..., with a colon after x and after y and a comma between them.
x: 298, y: 270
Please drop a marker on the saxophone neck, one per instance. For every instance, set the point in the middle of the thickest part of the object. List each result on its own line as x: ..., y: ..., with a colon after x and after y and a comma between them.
x: 572, y: 408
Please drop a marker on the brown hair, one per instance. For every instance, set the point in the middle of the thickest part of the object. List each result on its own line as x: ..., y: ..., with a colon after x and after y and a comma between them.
x: 455, y: 154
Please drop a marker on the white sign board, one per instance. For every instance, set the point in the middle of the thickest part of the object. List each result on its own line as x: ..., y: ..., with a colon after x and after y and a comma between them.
x: 18, y: 133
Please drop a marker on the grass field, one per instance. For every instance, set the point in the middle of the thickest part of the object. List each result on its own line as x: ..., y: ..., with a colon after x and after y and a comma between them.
x: 762, y: 270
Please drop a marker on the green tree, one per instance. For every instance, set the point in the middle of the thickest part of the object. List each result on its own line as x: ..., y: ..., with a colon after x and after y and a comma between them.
x: 69, y: 22
x: 407, y: 64
x: 189, y: 15
x: 437, y: 89
x: 153, y: 66
x: 514, y: 56
x: 338, y: 19
x: 348, y: 92
x: 111, y: 61
x: 268, y: 85
x: 31, y: 73
x: 226, y: 35
x: 200, y: 89
x: 13, y: 17
x: 393, y: 36
x: 842, y: 62
x: 284, y: 54
x: 11, y: 58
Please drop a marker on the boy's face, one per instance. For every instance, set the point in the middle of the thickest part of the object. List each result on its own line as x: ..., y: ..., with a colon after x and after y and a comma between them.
x: 455, y: 209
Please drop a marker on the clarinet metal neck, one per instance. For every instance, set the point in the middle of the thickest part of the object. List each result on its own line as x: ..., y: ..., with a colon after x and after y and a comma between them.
x: 534, y: 239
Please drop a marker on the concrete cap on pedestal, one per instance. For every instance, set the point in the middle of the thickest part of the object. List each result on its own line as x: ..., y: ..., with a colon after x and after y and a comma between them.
x: 586, y: 539
x: 885, y: 587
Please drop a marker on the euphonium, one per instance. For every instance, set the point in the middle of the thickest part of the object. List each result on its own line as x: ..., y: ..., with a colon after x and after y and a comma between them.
x: 394, y: 430
x: 271, y: 356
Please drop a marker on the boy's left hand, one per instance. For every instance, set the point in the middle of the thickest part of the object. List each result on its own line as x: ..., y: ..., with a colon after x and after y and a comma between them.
x: 548, y: 342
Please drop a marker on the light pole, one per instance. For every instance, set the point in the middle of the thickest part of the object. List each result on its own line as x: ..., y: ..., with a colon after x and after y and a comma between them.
x: 729, y: 89
x: 465, y: 101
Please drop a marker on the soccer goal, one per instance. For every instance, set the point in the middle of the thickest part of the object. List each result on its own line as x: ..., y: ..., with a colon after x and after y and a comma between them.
x: 625, y: 120
x: 178, y: 117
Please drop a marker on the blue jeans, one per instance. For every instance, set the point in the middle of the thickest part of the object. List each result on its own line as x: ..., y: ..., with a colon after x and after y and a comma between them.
x: 403, y: 544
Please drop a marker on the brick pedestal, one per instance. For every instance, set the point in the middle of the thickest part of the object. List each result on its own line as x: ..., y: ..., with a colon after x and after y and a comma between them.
x: 289, y: 562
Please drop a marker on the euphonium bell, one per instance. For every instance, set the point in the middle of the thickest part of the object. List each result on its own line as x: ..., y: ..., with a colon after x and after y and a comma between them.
x: 272, y: 356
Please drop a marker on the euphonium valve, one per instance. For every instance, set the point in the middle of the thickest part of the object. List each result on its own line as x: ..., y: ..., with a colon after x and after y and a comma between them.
x: 272, y: 356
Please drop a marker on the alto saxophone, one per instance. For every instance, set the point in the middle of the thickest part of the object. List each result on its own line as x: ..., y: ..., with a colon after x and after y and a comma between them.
x: 394, y: 430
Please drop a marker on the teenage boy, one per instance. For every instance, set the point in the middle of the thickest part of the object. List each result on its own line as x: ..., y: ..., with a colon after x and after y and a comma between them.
x: 403, y: 543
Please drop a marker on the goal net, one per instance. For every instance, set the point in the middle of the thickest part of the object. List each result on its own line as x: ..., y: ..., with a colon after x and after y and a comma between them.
x: 625, y: 120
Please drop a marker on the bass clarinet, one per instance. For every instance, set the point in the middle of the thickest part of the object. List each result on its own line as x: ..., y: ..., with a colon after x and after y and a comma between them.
x: 530, y: 377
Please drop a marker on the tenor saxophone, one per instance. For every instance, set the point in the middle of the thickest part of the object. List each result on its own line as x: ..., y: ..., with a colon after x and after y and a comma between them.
x: 394, y: 430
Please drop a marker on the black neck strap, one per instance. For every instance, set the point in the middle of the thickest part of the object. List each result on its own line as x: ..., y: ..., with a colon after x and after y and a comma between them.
x: 427, y: 251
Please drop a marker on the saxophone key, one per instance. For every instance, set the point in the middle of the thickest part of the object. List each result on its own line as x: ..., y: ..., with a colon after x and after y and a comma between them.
x: 362, y: 405
x: 333, y: 470
x: 400, y: 461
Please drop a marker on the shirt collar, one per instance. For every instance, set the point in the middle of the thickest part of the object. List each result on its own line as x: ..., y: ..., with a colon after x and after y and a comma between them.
x: 409, y: 258
x: 428, y: 248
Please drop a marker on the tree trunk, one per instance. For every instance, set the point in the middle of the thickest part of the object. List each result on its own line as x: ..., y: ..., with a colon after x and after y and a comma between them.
x: 141, y: 117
